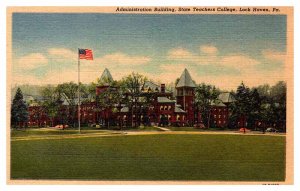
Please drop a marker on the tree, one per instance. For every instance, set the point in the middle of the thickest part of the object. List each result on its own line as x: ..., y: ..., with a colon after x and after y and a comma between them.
x: 91, y: 91
x: 19, y: 110
x: 51, y: 102
x: 205, y: 95
x: 108, y: 100
x: 255, y: 107
x: 273, y: 105
x: 247, y: 107
x: 278, y: 100
x: 132, y: 84
x: 70, y: 91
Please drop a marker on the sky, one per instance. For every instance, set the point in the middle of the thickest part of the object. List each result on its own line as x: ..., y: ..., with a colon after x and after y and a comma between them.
x: 222, y: 50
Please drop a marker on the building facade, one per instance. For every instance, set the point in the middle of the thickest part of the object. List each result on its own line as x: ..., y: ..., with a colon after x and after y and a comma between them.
x: 163, y: 109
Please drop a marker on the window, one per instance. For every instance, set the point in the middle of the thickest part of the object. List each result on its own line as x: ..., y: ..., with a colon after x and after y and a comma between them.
x: 219, y: 122
x: 169, y: 108
x: 161, y: 107
x: 219, y: 116
x: 166, y: 107
x: 178, y: 117
x: 215, y: 116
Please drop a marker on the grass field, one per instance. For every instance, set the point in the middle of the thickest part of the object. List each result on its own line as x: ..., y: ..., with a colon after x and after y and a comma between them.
x: 152, y: 157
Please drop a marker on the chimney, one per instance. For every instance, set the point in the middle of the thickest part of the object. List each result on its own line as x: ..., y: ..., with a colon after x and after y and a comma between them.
x: 162, y: 88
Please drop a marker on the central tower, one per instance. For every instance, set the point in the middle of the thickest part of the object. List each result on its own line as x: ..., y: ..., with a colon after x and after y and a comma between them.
x: 186, y: 94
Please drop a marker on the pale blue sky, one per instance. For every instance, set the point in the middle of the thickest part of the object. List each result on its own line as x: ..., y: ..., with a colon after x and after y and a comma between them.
x: 154, y: 37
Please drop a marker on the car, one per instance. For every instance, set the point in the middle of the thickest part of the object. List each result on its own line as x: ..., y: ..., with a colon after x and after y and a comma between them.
x: 270, y: 129
x: 244, y: 129
x: 61, y: 126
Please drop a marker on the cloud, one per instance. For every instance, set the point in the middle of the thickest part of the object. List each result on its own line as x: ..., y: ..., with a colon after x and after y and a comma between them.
x: 121, y: 58
x: 32, y: 61
x: 206, y: 66
x: 238, y: 61
x: 234, y: 61
x: 274, y: 55
x: 183, y: 55
x: 180, y: 54
x: 53, y: 77
x: 173, y: 71
x: 208, y: 49
x: 62, y: 54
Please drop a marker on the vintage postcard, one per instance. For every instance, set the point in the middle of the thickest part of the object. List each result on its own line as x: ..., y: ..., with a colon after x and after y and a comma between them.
x: 150, y: 95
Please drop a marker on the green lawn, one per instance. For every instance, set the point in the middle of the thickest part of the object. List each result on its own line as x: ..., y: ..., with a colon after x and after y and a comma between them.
x: 84, y: 130
x: 152, y: 157
x: 38, y: 132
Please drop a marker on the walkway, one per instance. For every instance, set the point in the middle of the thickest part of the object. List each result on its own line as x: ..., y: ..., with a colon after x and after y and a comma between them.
x: 128, y: 133
x: 163, y: 129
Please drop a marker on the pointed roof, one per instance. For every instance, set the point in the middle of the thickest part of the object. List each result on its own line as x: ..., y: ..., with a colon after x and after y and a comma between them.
x: 106, y: 76
x: 226, y: 97
x: 185, y: 80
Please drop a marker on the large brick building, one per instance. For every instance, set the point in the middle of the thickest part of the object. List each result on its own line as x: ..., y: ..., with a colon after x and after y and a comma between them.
x: 165, y: 107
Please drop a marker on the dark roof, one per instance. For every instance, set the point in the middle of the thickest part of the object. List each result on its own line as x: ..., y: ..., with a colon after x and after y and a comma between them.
x: 218, y: 104
x: 178, y: 110
x: 152, y: 87
x: 106, y: 76
x: 226, y: 97
x: 164, y: 100
x: 185, y: 80
x: 124, y: 110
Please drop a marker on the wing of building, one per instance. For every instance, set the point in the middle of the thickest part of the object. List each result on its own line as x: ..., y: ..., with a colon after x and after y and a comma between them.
x: 156, y: 106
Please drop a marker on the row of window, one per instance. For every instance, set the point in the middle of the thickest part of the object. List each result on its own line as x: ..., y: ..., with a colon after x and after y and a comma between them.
x: 219, y: 110
x: 219, y: 116
x: 178, y: 117
x: 87, y: 108
x: 166, y: 108
x: 220, y: 122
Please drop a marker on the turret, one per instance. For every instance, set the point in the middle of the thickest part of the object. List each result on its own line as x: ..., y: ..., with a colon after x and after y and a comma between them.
x: 186, y: 94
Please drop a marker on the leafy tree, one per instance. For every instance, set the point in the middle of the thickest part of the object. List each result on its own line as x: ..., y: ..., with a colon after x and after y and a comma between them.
x: 70, y: 91
x: 241, y: 107
x: 51, y: 102
x: 278, y: 102
x: 273, y: 105
x: 255, y: 107
x: 247, y: 107
x: 108, y: 100
x: 19, y: 110
x: 37, y: 114
x: 205, y: 95
x: 91, y: 91
x: 132, y: 84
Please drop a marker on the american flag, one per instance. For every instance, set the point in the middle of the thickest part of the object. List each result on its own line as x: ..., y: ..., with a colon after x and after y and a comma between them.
x: 85, y: 54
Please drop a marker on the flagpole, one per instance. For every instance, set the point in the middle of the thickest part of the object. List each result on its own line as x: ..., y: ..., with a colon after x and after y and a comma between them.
x: 78, y: 91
